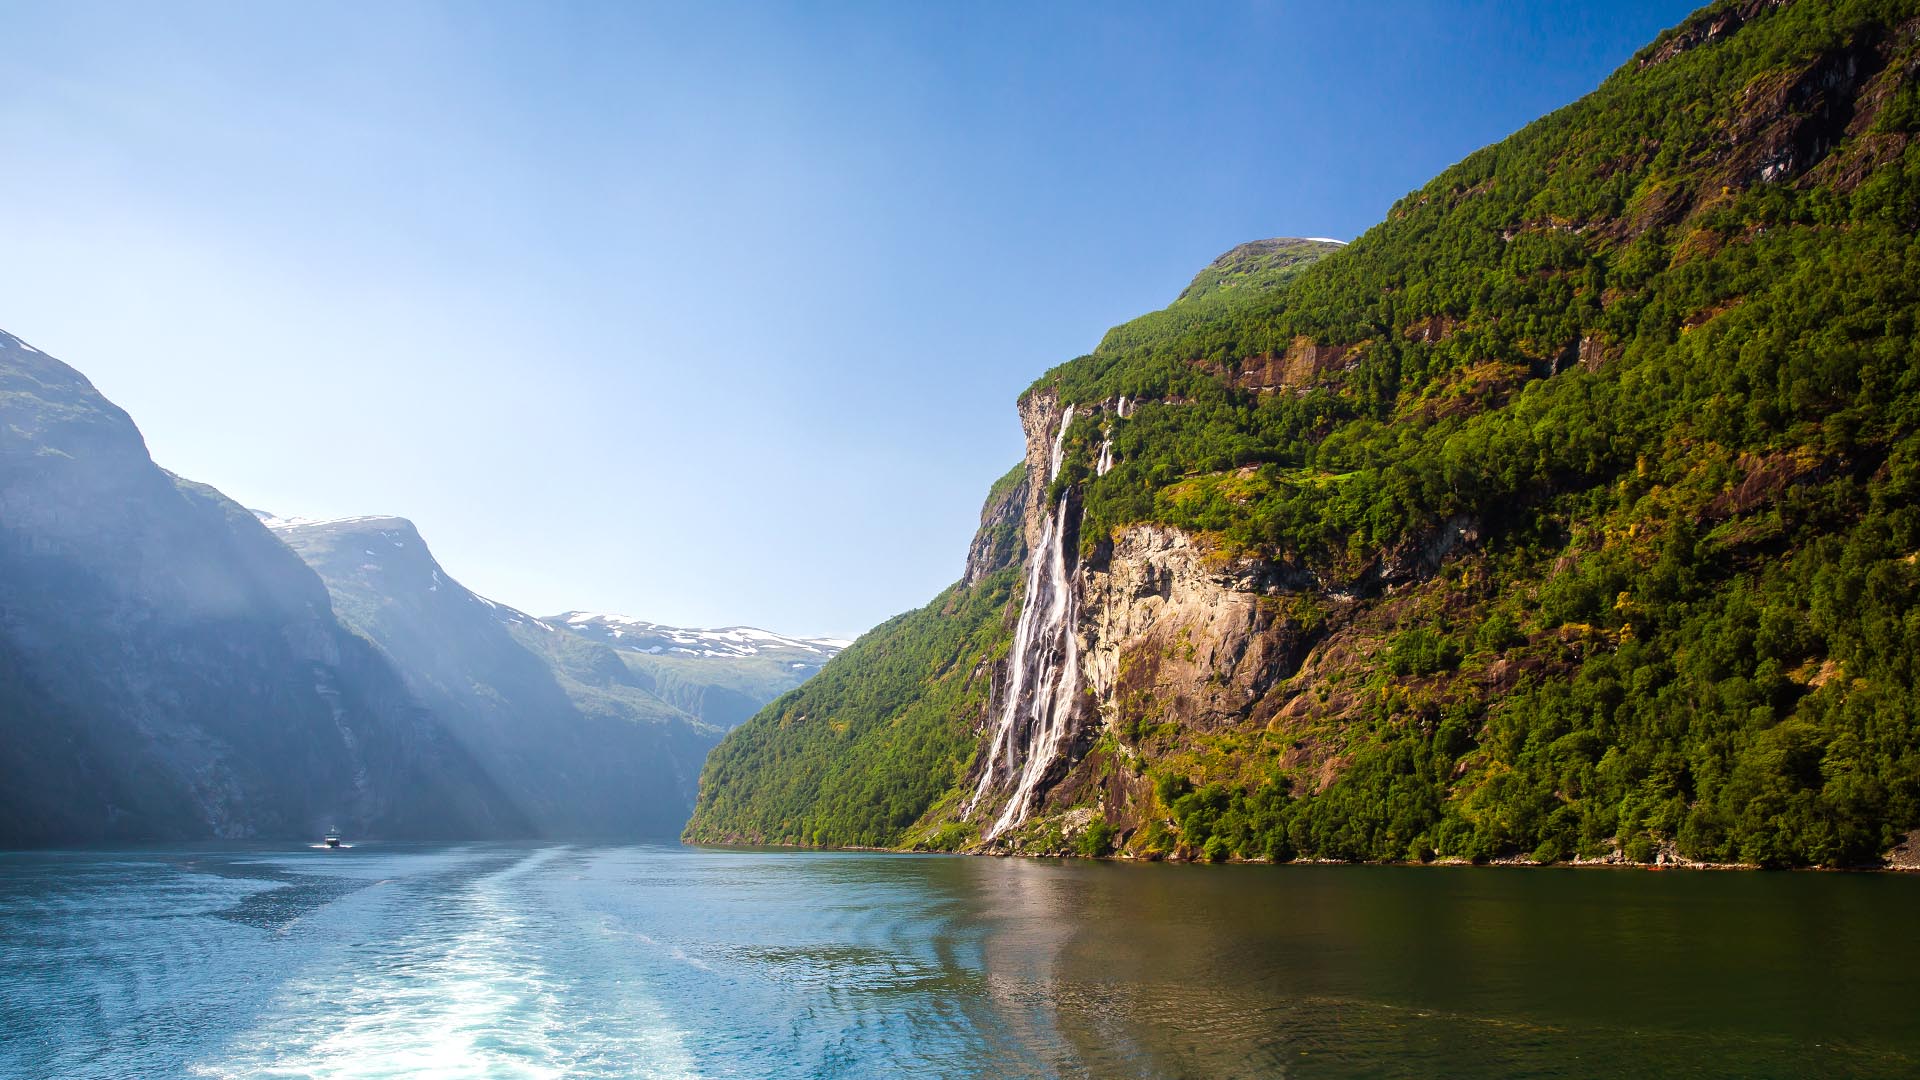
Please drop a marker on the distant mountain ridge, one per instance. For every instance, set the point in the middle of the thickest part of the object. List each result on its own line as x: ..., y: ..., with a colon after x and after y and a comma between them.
x: 578, y: 739
x: 169, y: 670
x: 597, y: 725
x: 620, y: 631
x: 173, y: 666
x: 727, y: 641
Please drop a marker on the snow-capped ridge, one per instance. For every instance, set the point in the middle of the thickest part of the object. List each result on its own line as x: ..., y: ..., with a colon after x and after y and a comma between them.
x: 629, y: 632
x: 17, y: 341
x: 276, y: 522
x: 620, y: 631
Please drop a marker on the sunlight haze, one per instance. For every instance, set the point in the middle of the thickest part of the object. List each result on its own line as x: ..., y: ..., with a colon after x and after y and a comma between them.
x: 710, y: 314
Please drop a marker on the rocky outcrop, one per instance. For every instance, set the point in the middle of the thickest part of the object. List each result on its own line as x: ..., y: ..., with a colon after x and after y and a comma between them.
x: 1000, y: 541
x: 1171, y: 637
x: 1123, y: 643
x: 1044, y: 421
x: 1704, y: 28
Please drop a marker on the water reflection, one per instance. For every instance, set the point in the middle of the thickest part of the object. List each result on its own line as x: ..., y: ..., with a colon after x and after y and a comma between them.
x: 585, y: 961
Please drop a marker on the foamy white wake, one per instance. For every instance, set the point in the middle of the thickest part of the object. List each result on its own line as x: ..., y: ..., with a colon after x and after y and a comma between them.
x: 470, y: 1003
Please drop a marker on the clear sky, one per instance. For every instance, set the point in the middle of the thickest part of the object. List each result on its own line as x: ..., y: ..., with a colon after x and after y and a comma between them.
x: 708, y: 313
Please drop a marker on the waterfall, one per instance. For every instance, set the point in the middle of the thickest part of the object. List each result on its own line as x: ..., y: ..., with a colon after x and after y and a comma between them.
x: 1043, y: 671
x: 1105, y: 464
x: 1059, y: 445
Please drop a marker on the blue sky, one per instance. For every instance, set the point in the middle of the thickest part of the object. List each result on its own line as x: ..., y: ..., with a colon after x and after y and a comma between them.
x: 706, y: 313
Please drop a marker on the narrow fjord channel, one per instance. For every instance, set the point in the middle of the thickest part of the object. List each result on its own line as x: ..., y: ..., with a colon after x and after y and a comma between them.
x: 663, y: 961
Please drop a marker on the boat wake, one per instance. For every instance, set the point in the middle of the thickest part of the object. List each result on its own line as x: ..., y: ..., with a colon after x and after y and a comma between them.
x: 463, y: 991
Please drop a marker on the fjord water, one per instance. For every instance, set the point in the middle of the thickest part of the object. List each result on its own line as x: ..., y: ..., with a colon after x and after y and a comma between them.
x: 662, y: 961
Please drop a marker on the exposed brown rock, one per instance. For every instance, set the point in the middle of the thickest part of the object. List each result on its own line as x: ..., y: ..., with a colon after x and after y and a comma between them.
x: 1431, y: 330
x: 1704, y: 28
x: 1791, y: 121
x: 1906, y: 854
x: 1304, y: 365
x: 1000, y: 541
x: 1169, y: 637
x: 1766, y: 475
x: 1596, y: 351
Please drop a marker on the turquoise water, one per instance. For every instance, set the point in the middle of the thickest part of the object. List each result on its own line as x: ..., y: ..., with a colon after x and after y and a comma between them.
x: 662, y: 961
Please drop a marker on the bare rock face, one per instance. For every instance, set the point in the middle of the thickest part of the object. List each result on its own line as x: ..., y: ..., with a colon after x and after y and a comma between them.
x: 1151, y: 631
x: 1170, y: 636
x: 1150, y: 628
x: 1044, y: 422
x: 1000, y: 541
x: 1705, y: 27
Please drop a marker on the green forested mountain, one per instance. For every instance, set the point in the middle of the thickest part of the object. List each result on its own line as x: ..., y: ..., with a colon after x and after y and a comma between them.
x: 1569, y: 512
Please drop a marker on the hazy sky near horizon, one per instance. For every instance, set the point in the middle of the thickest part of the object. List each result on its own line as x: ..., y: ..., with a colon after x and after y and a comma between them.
x: 705, y: 313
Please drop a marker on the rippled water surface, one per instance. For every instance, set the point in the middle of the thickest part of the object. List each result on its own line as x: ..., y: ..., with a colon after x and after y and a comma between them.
x: 661, y: 961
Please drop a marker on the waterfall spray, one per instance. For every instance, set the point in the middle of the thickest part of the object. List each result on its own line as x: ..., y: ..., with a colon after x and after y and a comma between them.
x: 1105, y: 464
x: 1043, y: 671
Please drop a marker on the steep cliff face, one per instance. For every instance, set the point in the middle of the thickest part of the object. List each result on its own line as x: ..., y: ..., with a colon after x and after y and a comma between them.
x: 1001, y: 540
x: 1154, y: 646
x: 169, y: 669
x: 1112, y: 640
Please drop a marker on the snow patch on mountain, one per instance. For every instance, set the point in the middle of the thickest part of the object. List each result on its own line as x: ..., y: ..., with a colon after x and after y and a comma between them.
x: 620, y: 631
x: 626, y: 631
x: 277, y: 523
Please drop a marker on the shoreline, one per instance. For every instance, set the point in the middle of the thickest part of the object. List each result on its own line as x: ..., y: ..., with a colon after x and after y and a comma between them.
x: 1892, y: 866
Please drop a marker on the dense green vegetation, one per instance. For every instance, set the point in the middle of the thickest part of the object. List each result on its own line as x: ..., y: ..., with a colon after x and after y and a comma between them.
x: 1721, y: 500
x: 860, y: 752
x: 1659, y: 349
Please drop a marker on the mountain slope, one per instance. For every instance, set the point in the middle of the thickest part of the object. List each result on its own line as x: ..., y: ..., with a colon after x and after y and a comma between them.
x: 169, y: 670
x: 1569, y: 512
x: 579, y: 742
x: 887, y: 728
x: 596, y: 725
x: 722, y: 675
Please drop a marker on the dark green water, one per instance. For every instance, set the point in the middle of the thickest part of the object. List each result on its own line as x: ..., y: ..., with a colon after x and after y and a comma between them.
x: 647, y: 961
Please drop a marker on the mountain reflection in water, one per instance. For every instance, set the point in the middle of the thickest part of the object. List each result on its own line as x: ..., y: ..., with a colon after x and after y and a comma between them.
x: 663, y: 961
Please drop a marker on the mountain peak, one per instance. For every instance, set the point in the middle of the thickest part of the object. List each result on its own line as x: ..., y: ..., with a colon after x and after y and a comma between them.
x: 1260, y: 263
x: 358, y: 523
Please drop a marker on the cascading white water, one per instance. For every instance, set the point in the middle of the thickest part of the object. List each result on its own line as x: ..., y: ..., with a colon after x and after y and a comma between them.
x: 1043, y: 671
x: 1059, y: 445
x: 1105, y: 464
